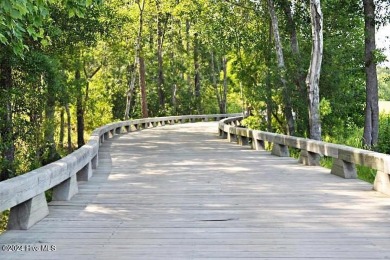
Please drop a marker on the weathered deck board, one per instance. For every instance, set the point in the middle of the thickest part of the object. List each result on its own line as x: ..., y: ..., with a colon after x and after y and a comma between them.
x: 180, y: 192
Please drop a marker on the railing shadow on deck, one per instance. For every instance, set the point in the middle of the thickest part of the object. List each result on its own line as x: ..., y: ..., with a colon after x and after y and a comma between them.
x: 25, y: 196
x: 344, y: 157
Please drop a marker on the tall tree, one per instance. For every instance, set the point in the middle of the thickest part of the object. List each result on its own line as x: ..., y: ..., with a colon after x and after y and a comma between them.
x: 313, y: 76
x: 282, y: 69
x: 299, y: 73
x: 82, y: 99
x: 371, y: 123
x: 6, y: 117
x: 161, y: 27
x: 197, y: 74
x: 141, y: 60
x: 131, y: 72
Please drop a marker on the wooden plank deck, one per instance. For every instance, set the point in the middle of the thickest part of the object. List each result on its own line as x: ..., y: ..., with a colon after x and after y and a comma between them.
x: 180, y: 192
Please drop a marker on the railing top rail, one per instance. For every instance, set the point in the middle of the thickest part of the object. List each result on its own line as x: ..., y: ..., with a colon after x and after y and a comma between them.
x: 345, y: 154
x: 16, y: 190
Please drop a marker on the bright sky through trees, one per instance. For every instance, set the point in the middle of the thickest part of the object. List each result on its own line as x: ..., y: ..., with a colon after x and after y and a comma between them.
x: 383, y: 42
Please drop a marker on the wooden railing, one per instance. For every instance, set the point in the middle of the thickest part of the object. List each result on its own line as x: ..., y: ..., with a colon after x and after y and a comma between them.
x: 25, y: 194
x: 345, y: 158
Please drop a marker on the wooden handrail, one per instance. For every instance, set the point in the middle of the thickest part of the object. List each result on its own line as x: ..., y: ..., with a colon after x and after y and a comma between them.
x: 25, y: 194
x: 344, y: 157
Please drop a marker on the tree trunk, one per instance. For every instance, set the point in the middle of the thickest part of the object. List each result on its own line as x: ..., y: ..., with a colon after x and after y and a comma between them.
x: 131, y: 71
x: 268, y: 81
x: 188, y: 26
x: 313, y: 76
x: 141, y: 62
x: 174, y: 98
x: 160, y: 72
x: 69, y: 127
x: 62, y: 128
x: 214, y: 80
x: 6, y: 123
x: 79, y: 110
x: 371, y: 124
x: 197, y: 74
x: 50, y: 127
x: 282, y: 70
x: 81, y: 103
x: 303, y: 103
x: 223, y: 105
x: 291, y: 27
x: 269, y: 101
x: 142, y: 83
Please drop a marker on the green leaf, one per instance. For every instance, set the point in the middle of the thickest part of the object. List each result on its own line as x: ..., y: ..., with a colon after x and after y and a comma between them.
x: 71, y: 13
x: 44, y: 12
x: 6, y: 6
x: 79, y: 13
x: 3, y: 39
x: 15, y: 14
x: 21, y: 7
x: 45, y: 42
x: 30, y: 30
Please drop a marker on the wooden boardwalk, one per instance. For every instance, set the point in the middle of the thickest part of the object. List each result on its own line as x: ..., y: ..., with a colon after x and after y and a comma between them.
x: 180, y: 192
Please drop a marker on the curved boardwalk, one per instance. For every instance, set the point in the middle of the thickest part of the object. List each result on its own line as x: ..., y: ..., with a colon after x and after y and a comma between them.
x: 180, y: 192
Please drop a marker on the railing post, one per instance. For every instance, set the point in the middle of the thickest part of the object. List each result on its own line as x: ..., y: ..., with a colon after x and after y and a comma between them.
x: 26, y: 214
x: 95, y: 161
x: 128, y: 128
x: 280, y: 150
x: 344, y: 169
x: 309, y: 158
x: 66, y: 189
x: 258, y: 145
x: 85, y: 173
x: 242, y: 140
x: 231, y: 136
x: 118, y: 130
x: 382, y: 182
x: 222, y: 132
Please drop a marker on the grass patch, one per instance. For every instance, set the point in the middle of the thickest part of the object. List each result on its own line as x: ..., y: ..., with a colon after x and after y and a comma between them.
x: 364, y: 173
x: 294, y: 152
x: 326, y: 162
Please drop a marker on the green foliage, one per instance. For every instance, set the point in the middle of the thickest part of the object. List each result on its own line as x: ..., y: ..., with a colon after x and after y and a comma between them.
x: 325, y: 107
x: 255, y: 122
x: 20, y: 19
x: 364, y: 173
x: 3, y: 220
x: 342, y: 77
x: 384, y: 83
x: 384, y: 134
